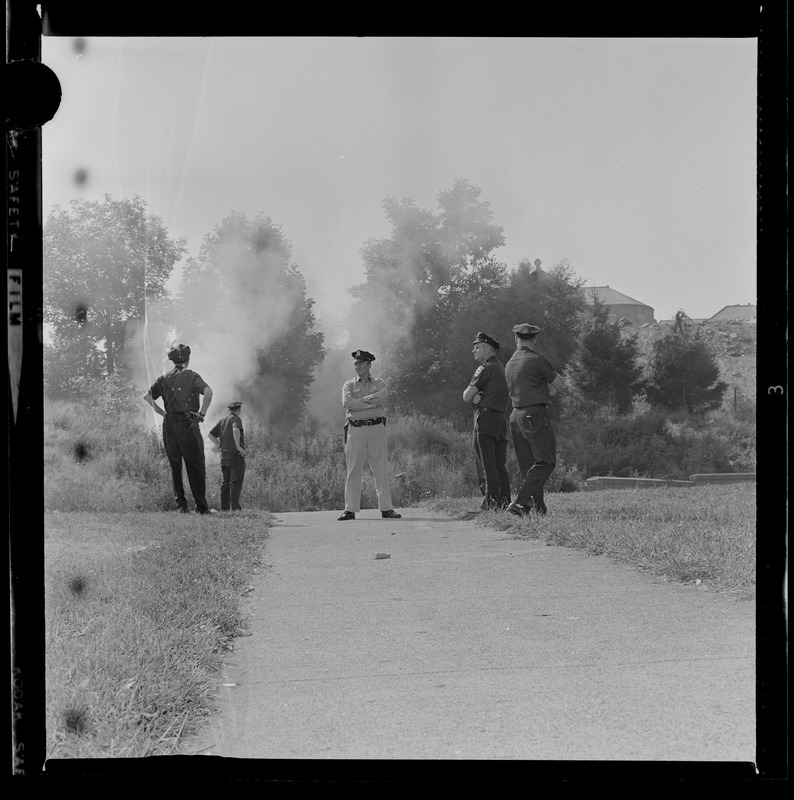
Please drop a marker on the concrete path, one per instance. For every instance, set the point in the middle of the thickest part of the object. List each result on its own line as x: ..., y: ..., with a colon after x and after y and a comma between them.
x: 467, y: 643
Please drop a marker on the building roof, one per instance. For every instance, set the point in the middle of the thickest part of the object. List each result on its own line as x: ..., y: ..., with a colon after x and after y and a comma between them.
x: 610, y: 297
x: 735, y: 312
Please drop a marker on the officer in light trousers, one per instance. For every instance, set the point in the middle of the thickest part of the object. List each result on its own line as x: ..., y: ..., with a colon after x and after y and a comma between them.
x: 365, y: 437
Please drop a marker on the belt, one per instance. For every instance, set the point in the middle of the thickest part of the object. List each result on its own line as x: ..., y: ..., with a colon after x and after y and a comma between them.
x: 495, y: 410
x: 535, y: 405
x: 357, y: 423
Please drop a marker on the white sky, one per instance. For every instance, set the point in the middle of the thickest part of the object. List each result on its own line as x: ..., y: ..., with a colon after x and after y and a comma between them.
x: 633, y: 158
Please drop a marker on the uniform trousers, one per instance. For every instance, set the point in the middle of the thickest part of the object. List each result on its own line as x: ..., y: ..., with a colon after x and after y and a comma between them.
x: 490, y: 452
x: 232, y: 475
x: 536, y: 452
x: 183, y: 442
x: 366, y: 443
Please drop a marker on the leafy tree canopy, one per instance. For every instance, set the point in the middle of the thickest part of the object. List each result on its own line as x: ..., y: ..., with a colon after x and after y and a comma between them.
x: 103, y: 262
x: 684, y: 371
x: 606, y: 371
x: 435, y: 282
x: 243, y: 297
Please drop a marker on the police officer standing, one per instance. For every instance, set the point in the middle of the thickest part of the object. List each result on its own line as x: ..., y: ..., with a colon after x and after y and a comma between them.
x: 531, y: 381
x: 487, y: 391
x: 180, y: 389
x: 365, y: 437
x: 228, y: 434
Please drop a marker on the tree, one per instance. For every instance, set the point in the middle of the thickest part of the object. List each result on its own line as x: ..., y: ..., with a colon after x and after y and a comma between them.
x: 606, y: 371
x: 103, y: 262
x: 435, y: 282
x: 684, y: 371
x: 549, y: 299
x: 416, y: 282
x: 245, y: 305
x: 71, y: 362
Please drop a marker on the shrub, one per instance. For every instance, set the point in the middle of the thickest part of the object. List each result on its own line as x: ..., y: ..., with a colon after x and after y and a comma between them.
x: 659, y: 445
x: 684, y: 371
x: 98, y: 459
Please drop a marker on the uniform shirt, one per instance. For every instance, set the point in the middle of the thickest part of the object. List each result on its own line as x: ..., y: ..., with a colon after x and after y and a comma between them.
x: 489, y: 378
x: 355, y: 389
x: 528, y: 377
x: 180, y: 390
x: 224, y: 432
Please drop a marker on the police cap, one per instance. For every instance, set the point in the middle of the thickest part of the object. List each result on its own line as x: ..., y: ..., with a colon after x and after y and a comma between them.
x: 235, y: 404
x: 179, y: 353
x: 525, y: 330
x: 484, y: 338
x: 363, y: 355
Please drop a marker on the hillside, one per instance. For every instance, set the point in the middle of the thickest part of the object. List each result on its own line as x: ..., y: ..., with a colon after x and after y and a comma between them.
x: 733, y: 343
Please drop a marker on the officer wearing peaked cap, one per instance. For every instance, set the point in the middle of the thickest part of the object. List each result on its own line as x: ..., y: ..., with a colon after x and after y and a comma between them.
x: 228, y: 434
x: 365, y: 437
x: 487, y: 391
x: 180, y: 389
x: 531, y: 382
x: 525, y: 330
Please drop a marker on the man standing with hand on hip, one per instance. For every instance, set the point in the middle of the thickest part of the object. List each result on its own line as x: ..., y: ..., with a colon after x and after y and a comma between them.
x: 228, y: 434
x: 531, y: 382
x: 365, y: 437
x: 180, y: 389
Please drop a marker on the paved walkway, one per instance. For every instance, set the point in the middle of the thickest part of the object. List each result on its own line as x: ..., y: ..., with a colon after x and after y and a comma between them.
x: 467, y: 643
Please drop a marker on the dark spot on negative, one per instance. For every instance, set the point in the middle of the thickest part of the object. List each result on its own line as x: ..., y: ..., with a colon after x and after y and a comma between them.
x: 75, y: 720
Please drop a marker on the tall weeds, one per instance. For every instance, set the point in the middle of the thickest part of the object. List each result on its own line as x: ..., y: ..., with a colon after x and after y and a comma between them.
x: 139, y: 609
x: 99, y: 459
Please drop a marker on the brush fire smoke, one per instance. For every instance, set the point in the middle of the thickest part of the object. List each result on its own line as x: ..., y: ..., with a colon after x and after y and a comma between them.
x: 243, y: 307
x: 234, y: 315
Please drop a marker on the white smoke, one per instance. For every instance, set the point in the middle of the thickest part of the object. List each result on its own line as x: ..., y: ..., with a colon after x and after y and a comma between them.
x: 232, y: 316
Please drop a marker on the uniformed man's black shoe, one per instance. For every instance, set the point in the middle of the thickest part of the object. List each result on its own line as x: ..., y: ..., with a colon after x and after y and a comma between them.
x: 538, y: 506
x: 184, y: 510
x: 346, y: 515
x: 519, y: 511
x: 391, y: 514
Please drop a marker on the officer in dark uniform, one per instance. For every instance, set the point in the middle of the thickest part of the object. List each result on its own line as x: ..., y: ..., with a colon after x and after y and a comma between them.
x: 180, y: 389
x: 487, y: 392
x: 531, y: 381
x: 228, y: 434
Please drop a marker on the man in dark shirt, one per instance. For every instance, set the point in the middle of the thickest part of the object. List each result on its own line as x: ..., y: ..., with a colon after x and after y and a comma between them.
x: 180, y: 389
x: 487, y: 392
x: 228, y: 434
x: 531, y: 382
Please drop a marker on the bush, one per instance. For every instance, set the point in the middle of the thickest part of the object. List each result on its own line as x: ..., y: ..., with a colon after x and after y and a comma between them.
x: 658, y: 445
x: 98, y: 459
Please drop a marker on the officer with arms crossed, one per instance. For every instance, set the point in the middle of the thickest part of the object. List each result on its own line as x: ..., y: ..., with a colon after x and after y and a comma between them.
x: 365, y: 437
x: 180, y: 389
x: 488, y: 394
x: 531, y: 382
x: 229, y: 436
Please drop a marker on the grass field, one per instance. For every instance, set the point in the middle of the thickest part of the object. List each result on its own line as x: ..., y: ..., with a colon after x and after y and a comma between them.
x: 141, y: 607
x: 703, y: 534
